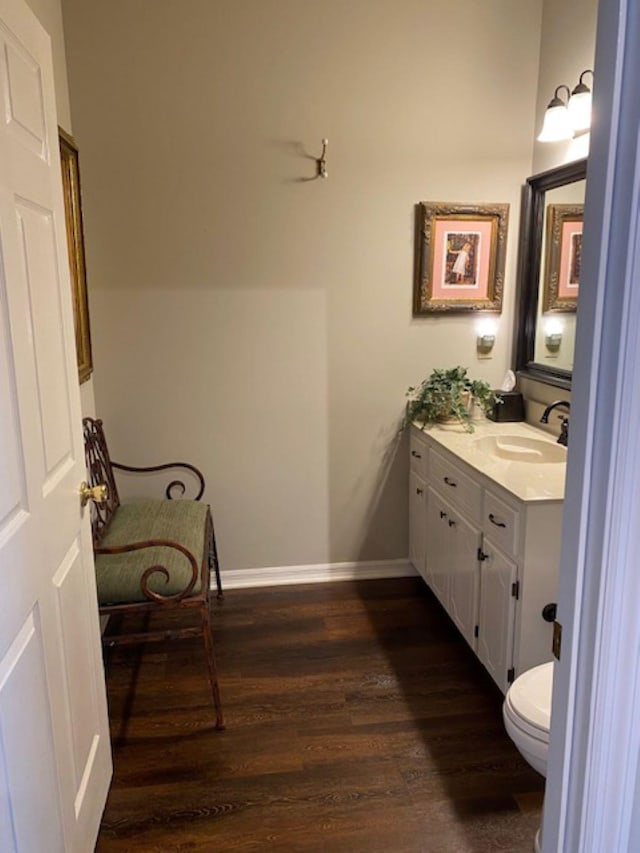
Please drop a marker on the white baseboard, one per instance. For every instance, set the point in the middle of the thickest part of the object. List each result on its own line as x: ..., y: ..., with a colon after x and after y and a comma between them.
x: 321, y: 573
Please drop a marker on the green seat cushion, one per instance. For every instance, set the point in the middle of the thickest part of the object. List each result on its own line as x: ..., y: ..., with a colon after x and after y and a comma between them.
x: 119, y: 575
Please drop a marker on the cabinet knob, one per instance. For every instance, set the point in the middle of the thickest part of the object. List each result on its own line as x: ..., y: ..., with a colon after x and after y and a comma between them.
x: 416, y: 454
x: 493, y: 520
x: 452, y: 523
x: 419, y: 491
x: 450, y: 482
x: 443, y: 514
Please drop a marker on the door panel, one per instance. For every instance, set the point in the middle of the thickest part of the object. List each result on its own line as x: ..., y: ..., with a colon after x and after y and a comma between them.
x: 72, y: 606
x: 497, y: 614
x: 24, y: 101
x: 31, y: 812
x: 417, y: 522
x: 12, y: 496
x: 38, y: 246
x: 464, y: 580
x: 438, y: 552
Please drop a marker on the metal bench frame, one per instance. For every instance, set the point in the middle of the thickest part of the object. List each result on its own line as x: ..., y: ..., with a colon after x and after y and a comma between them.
x: 100, y: 470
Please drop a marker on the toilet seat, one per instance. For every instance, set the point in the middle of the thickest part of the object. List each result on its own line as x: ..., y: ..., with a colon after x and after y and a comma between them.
x: 528, y: 702
x: 527, y: 715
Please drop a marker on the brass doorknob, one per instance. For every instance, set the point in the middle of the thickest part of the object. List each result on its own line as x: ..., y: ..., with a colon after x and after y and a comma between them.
x: 92, y: 493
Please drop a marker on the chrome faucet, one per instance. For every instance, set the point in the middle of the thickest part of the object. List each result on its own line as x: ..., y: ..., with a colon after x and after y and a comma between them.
x: 563, y: 438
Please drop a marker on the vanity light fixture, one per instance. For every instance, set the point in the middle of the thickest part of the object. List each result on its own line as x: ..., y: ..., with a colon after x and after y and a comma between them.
x: 579, y: 105
x: 553, y: 329
x: 557, y: 123
x: 564, y: 119
x: 486, y: 337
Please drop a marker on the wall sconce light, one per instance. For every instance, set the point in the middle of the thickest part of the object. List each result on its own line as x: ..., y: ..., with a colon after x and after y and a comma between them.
x: 579, y: 105
x: 557, y: 124
x: 563, y: 119
x: 486, y: 337
x: 553, y: 329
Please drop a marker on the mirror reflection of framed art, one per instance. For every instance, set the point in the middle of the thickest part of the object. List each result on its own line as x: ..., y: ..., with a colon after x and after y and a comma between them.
x: 564, y: 256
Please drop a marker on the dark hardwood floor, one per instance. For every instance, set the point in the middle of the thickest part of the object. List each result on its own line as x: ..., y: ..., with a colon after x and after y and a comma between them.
x: 357, y: 720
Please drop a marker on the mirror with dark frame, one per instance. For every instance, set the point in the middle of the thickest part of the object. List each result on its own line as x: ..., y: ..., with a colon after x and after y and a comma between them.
x: 549, y: 257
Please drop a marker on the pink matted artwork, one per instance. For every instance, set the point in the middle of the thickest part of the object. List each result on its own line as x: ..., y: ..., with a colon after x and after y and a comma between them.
x: 570, y: 260
x: 563, y: 257
x: 461, y: 259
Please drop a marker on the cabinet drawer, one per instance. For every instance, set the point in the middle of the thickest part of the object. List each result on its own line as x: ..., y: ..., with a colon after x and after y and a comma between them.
x: 417, y: 453
x: 458, y: 488
x: 500, y: 523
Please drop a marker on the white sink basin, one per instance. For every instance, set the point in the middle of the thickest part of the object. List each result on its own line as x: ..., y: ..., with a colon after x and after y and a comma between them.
x: 518, y: 448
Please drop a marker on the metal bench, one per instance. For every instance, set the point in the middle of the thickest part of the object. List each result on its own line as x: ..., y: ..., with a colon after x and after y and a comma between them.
x: 151, y: 555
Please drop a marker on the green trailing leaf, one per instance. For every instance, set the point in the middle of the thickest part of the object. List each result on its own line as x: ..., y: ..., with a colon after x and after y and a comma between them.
x: 448, y: 394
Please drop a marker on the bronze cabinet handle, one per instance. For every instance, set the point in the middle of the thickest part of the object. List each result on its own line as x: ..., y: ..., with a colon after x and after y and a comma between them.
x: 416, y: 454
x: 492, y: 519
x: 450, y: 482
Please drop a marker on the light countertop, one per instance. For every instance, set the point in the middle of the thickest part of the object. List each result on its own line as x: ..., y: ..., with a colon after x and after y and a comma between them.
x: 527, y: 481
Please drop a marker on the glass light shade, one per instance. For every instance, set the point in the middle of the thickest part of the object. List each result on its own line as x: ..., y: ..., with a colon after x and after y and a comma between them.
x: 579, y: 109
x: 553, y: 326
x: 486, y: 326
x: 557, y: 124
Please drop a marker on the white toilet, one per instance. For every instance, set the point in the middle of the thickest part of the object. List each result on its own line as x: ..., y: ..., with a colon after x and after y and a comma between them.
x: 527, y: 717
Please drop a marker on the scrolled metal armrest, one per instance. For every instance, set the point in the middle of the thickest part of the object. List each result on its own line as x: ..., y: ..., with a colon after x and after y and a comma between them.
x: 162, y: 570
x: 174, y: 483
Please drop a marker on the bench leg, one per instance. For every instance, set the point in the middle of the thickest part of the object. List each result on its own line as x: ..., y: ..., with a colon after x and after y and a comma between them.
x: 214, y: 562
x: 211, y: 663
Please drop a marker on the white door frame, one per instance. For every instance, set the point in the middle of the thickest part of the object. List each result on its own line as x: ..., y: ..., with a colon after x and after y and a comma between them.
x: 595, y: 736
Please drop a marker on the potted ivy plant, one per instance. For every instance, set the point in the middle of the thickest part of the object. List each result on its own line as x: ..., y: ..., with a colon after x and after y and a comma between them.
x: 448, y: 395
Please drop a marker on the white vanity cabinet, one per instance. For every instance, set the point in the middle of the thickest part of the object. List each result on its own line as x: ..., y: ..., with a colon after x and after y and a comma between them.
x: 490, y: 557
x: 418, y: 456
x: 451, y: 550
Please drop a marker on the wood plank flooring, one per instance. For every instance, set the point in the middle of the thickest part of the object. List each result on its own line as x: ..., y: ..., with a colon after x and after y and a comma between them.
x: 357, y: 720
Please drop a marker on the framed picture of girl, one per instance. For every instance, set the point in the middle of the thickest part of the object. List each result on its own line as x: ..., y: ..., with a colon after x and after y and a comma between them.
x: 460, y: 257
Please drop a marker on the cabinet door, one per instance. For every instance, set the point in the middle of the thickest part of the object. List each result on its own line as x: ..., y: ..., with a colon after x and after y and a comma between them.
x: 417, y: 522
x: 437, y: 550
x: 464, y: 576
x: 497, y: 614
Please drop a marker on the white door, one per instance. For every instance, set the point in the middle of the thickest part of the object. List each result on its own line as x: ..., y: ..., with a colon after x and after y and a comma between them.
x: 496, y: 615
x: 55, y: 762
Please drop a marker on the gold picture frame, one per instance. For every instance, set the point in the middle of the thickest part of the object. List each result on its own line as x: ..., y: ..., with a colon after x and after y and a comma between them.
x: 75, y: 243
x: 563, y: 258
x: 460, y: 257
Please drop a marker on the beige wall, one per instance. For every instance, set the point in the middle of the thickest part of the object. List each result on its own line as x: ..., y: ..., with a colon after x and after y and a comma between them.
x: 254, y: 320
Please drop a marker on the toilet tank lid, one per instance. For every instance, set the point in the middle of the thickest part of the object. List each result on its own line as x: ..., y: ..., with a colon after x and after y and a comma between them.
x: 530, y: 695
